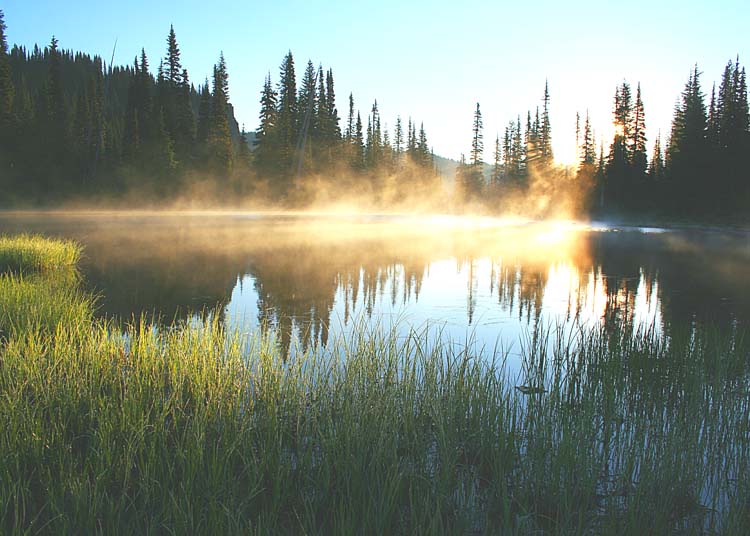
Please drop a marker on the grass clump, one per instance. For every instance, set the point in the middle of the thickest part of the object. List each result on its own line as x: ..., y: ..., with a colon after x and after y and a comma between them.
x: 192, y: 429
x: 33, y: 253
x: 39, y: 286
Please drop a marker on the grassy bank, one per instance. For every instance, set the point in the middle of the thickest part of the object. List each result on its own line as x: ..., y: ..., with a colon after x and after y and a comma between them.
x: 130, y: 429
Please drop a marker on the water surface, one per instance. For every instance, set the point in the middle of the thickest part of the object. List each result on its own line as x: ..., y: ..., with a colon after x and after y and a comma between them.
x: 313, y: 276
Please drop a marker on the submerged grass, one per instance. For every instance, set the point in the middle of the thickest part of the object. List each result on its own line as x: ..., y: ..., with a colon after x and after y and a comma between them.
x: 132, y: 429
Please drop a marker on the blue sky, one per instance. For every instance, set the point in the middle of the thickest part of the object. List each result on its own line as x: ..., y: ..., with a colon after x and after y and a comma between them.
x: 432, y: 60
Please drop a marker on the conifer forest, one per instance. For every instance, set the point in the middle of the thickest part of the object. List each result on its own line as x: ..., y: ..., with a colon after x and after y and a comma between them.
x: 73, y: 127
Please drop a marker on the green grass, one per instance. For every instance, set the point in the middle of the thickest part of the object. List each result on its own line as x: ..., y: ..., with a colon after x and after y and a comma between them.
x: 132, y: 429
x: 33, y: 253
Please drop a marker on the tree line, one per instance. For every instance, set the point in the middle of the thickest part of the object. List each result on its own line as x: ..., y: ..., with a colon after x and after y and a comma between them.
x: 701, y: 169
x: 300, y: 135
x: 73, y: 127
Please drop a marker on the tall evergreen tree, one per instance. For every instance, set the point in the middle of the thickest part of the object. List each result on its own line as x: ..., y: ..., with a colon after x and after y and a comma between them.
x: 656, y: 166
x: 473, y: 174
x: 219, y: 138
x: 204, y: 118
x: 350, y: 120
x: 545, y: 130
x: 686, y: 152
x: 266, y: 154
x: 617, y: 190
x: 588, y: 149
x: 333, y: 132
x: 358, y: 145
x: 287, y: 116
x: 497, y: 169
x: 174, y: 66
x: 639, y: 138
x: 477, y: 143
x: 398, y: 138
x: 7, y: 91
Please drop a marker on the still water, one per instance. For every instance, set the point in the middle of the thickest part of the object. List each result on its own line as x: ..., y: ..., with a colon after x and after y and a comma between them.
x: 312, y: 277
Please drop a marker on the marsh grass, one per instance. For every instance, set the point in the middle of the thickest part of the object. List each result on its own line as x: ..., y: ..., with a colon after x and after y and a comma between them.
x: 33, y: 253
x: 193, y: 429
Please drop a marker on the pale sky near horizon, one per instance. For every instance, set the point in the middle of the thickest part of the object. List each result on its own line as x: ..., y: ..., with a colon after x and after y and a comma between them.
x: 431, y: 60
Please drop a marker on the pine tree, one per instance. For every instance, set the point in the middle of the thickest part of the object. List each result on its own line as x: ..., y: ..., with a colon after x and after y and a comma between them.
x: 173, y: 88
x: 639, y: 157
x: 545, y: 130
x: 473, y: 175
x: 334, y: 131
x: 307, y: 102
x: 656, y: 166
x: 712, y: 134
x: 686, y: 152
x: 578, y: 136
x: 132, y: 142
x: 320, y: 126
x: 358, y: 155
x: 508, y: 151
x: 220, y: 156
x: 588, y: 149
x: 266, y: 156
x: 477, y: 144
x: 425, y: 155
x: 374, y: 141
x: 398, y: 138
x: 287, y: 116
x: 617, y: 193
x: 54, y: 98
x: 7, y: 90
x: 204, y: 118
x: 497, y: 169
x: 350, y: 120
x: 728, y: 130
x: 174, y: 67
x: 185, y: 127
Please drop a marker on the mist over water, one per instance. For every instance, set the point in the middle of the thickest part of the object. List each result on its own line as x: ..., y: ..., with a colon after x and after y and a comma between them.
x: 313, y: 276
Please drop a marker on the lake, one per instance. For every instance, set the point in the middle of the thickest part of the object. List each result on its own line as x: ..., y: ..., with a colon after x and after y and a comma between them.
x: 488, y: 280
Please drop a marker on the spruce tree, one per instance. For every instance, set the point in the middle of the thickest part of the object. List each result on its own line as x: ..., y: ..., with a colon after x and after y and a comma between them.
x: 656, y: 166
x: 320, y: 126
x: 174, y: 66
x: 425, y: 155
x: 7, y: 90
x: 287, y: 116
x: 307, y: 100
x: 358, y: 155
x: 474, y: 175
x: 266, y: 153
x: 477, y: 143
x: 545, y: 130
x: 588, y: 149
x: 639, y: 157
x: 398, y: 137
x: 617, y: 193
x: 334, y: 131
x: 686, y: 152
x: 497, y: 167
x: 204, y: 117
x: 219, y: 140
x: 350, y: 120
